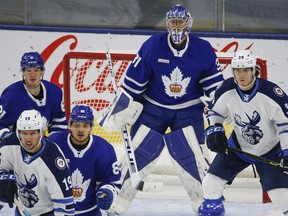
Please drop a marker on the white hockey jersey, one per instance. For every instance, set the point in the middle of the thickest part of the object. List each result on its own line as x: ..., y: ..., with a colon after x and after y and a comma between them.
x: 43, y: 179
x: 260, y: 118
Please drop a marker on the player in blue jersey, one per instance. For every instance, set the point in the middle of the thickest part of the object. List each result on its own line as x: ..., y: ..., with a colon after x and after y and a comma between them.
x: 39, y: 168
x: 170, y: 74
x: 32, y: 93
x: 258, y: 108
x: 92, y: 161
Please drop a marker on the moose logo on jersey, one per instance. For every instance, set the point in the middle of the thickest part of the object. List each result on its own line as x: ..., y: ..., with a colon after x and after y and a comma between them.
x: 28, y: 196
x: 250, y: 131
x: 175, y: 86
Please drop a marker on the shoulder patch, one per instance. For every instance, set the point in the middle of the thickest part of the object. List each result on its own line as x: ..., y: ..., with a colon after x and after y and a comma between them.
x: 278, y: 91
x: 60, y: 163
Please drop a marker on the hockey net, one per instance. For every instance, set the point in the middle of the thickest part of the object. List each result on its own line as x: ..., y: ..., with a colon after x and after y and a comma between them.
x: 87, y: 81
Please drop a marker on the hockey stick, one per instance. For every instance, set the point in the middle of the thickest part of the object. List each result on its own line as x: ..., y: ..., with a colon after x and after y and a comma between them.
x: 255, y: 157
x: 23, y: 211
x: 137, y: 182
x: 10, y: 177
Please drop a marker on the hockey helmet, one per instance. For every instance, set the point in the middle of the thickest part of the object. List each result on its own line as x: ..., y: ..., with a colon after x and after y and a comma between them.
x: 31, y: 60
x: 178, y: 32
x: 243, y: 59
x: 30, y: 120
x: 82, y: 113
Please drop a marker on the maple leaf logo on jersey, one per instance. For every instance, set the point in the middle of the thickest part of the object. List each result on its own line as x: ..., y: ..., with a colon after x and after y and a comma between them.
x: 79, y: 187
x: 175, y: 86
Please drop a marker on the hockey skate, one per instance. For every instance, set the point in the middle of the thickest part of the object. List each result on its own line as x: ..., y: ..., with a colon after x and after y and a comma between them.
x: 213, y: 207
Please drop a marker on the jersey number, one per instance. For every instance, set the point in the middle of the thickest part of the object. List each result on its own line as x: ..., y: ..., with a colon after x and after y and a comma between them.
x: 68, y: 183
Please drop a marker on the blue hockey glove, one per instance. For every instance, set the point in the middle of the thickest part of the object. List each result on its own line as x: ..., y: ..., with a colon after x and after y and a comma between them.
x: 7, y: 190
x: 104, y: 198
x: 285, y: 162
x: 216, y: 139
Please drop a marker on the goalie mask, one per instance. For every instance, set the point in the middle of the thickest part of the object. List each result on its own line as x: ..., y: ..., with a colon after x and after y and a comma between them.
x: 30, y: 120
x: 31, y: 60
x: 178, y: 23
x: 244, y: 59
x: 82, y: 113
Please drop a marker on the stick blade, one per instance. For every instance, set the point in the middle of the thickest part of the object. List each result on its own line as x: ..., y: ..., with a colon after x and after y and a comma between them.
x: 148, y: 186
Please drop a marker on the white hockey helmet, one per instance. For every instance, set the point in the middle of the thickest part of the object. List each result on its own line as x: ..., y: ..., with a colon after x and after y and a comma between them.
x: 243, y: 59
x: 178, y: 33
x: 30, y: 120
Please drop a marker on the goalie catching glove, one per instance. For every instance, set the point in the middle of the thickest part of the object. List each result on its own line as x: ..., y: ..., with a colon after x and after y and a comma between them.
x: 216, y: 139
x: 122, y: 111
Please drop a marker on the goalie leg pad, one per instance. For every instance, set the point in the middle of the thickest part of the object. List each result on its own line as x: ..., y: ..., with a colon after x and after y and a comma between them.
x: 122, y: 111
x: 189, y: 162
x: 149, y: 144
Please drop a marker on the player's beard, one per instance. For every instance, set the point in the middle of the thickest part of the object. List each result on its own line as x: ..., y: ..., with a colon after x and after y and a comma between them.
x: 76, y: 141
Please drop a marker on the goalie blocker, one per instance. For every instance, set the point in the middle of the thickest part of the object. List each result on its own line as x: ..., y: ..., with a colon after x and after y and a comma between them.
x: 187, y: 159
x: 122, y: 111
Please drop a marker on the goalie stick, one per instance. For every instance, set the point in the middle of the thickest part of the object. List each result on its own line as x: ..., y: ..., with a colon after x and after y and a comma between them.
x: 137, y: 182
x: 23, y: 211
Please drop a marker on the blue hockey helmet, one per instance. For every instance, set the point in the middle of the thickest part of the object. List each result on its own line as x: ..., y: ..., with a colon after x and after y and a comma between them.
x: 179, y: 23
x: 82, y: 113
x: 31, y: 60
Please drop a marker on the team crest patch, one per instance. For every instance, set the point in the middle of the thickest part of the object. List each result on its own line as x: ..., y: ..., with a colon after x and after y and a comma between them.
x: 278, y: 91
x: 60, y: 163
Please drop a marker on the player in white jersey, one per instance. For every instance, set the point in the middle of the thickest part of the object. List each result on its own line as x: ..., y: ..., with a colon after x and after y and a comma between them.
x: 169, y: 75
x: 92, y: 162
x: 39, y: 168
x: 33, y: 92
x: 259, y: 111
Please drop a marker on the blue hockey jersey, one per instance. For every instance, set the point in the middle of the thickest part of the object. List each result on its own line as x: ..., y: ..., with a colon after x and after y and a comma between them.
x: 16, y: 98
x: 91, y: 168
x: 171, y: 78
x: 43, y: 179
x: 260, y: 118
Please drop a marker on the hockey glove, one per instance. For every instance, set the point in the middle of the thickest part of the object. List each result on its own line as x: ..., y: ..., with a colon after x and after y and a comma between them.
x: 216, y: 139
x: 7, y: 190
x: 104, y: 198
x: 285, y: 162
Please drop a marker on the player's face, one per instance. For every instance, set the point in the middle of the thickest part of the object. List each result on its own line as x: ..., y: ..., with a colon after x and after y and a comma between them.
x: 30, y: 140
x: 32, y: 77
x: 244, y: 76
x: 177, y: 28
x: 80, y: 132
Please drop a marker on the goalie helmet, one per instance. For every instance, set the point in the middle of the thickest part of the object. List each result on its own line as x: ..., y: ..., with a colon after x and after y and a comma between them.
x: 82, y: 113
x: 175, y: 15
x: 31, y: 60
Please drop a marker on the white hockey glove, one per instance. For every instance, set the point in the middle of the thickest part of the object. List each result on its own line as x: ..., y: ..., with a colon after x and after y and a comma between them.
x: 122, y: 111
